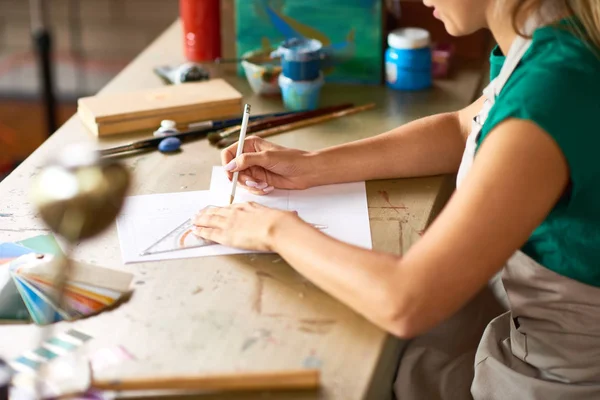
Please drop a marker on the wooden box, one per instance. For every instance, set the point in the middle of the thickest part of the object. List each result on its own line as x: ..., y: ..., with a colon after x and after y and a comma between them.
x: 144, y: 110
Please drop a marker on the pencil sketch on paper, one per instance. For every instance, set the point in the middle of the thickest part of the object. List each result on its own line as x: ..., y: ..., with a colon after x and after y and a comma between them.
x: 180, y: 238
x: 159, y: 226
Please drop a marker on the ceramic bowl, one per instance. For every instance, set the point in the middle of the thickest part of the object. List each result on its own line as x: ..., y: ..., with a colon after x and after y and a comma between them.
x: 262, y: 72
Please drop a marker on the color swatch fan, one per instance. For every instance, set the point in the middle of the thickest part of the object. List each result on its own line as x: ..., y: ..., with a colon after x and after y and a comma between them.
x: 89, y: 290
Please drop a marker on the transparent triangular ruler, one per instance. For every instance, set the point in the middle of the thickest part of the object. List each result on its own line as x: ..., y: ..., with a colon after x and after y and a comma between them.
x: 180, y: 238
x: 183, y: 237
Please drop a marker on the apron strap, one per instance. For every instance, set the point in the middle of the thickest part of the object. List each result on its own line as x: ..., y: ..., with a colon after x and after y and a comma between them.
x: 514, y: 56
x: 518, y: 48
x: 516, y: 52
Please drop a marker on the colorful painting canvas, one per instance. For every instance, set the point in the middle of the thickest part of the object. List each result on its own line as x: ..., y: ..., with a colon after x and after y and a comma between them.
x: 352, y: 29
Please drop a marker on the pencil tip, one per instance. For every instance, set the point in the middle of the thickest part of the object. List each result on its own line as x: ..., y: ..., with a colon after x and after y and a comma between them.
x: 230, y: 200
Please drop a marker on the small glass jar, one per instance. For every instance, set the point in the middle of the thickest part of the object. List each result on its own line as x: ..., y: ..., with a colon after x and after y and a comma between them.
x: 408, y: 59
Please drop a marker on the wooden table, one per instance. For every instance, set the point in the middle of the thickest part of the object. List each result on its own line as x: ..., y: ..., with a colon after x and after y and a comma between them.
x: 249, y: 312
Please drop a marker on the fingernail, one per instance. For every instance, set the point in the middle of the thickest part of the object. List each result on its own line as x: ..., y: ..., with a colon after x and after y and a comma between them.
x: 252, y: 184
x: 262, y: 185
x: 231, y: 166
x: 268, y: 189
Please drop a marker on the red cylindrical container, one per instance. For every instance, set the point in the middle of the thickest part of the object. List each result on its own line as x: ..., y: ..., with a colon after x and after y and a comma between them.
x: 201, y: 29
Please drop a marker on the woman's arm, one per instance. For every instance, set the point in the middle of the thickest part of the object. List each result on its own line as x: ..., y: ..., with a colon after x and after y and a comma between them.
x: 429, y: 146
x: 517, y: 177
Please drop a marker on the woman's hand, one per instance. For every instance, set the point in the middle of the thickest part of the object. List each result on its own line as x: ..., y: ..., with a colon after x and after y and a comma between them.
x: 264, y: 166
x: 248, y: 226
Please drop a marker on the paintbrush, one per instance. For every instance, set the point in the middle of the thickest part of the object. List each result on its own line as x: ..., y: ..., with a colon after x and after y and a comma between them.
x: 257, y: 59
x: 232, y: 382
x: 152, y: 144
x: 299, y: 124
x: 256, y: 126
x: 70, y: 375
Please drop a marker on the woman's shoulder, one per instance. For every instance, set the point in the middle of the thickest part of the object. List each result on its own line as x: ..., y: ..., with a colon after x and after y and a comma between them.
x: 556, y: 86
x: 560, y: 52
x: 559, y: 73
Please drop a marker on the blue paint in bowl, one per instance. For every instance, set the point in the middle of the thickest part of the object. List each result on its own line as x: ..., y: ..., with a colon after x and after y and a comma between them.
x: 300, y: 58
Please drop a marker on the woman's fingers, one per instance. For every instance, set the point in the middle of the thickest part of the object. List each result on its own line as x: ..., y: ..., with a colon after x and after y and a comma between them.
x: 255, y: 185
x: 227, y: 156
x: 259, y: 192
x: 253, y: 164
x: 252, y: 182
x: 252, y: 144
x: 248, y: 160
x: 210, y: 234
x: 213, y: 217
x: 244, y: 225
x: 252, y: 160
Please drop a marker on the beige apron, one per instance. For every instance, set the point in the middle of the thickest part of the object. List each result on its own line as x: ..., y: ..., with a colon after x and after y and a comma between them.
x: 547, y: 346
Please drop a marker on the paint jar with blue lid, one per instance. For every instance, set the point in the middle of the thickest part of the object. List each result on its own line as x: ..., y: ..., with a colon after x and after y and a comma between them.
x: 408, y: 63
x: 301, y: 95
x: 300, y: 58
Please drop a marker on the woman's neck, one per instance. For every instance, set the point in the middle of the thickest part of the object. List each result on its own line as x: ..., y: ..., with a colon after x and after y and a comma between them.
x: 500, y: 24
x: 504, y: 36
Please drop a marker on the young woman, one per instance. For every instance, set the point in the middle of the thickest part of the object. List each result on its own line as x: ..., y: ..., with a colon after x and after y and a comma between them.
x: 526, y: 211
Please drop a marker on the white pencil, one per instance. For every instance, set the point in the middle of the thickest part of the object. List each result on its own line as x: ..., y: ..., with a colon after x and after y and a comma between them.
x: 240, y: 148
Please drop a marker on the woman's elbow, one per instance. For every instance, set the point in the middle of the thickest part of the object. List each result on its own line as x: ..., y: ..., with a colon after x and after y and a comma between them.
x: 402, y: 326
x: 399, y: 316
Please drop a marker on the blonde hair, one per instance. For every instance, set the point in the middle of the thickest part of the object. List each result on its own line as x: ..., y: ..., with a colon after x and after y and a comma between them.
x: 586, y: 11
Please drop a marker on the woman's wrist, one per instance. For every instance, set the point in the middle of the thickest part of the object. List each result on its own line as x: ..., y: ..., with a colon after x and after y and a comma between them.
x: 319, y: 167
x: 280, y: 227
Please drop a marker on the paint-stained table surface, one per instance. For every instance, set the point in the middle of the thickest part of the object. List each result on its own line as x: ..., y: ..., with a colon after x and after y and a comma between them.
x: 249, y: 312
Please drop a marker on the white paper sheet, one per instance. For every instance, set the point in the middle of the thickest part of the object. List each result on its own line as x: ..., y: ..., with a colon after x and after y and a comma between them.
x: 341, y: 208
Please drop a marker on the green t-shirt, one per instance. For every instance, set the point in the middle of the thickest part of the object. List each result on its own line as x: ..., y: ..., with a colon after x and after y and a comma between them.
x: 557, y: 86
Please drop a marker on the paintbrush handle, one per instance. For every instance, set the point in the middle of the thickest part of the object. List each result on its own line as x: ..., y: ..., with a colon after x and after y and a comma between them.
x: 313, y: 121
x: 234, y: 130
x: 256, y: 125
x: 300, y: 124
x: 191, y: 134
x: 154, y: 142
x: 278, y: 380
x: 276, y: 121
x: 288, y: 119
